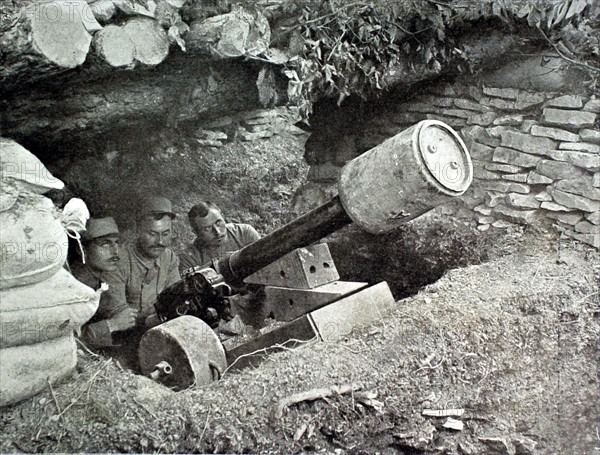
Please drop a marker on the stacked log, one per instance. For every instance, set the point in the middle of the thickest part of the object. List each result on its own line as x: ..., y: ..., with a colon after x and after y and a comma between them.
x: 46, y: 38
x: 42, y: 303
x: 49, y: 37
x: 114, y: 46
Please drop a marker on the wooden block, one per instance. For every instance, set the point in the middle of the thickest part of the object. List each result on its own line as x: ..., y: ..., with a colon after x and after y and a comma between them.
x: 286, y: 304
x: 304, y: 268
x: 329, y: 323
x: 364, y: 308
x: 243, y: 353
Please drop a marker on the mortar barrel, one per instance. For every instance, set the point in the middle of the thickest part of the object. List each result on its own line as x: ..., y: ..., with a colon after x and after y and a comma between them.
x: 302, y: 231
x: 406, y: 176
x: 397, y: 181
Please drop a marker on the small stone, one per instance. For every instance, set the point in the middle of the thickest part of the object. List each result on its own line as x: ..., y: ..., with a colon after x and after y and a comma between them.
x: 210, y: 135
x: 554, y: 207
x: 592, y: 136
x: 527, y: 100
x: 585, y: 227
x: 594, y: 218
x: 515, y: 157
x: 592, y: 105
x: 527, y: 125
x: 543, y: 196
x: 513, y: 120
x: 536, y: 179
x: 522, y: 201
x: 596, y: 181
x: 480, y: 173
x: 481, y: 152
x: 587, y: 147
x: 589, y: 161
x: 559, y: 170
x: 568, y: 101
x: 492, y: 199
x: 454, y: 424
x: 509, y: 168
x: 483, y: 227
x: 474, y: 92
x: 508, y: 93
x: 462, y: 103
x: 502, y: 224
x: 582, y: 186
x: 527, y: 143
x: 568, y: 218
x: 483, y: 209
x: 481, y: 219
x: 479, y: 134
x: 466, y: 448
x: 574, y: 201
x: 505, y: 187
x: 519, y: 178
x: 481, y: 119
x: 524, y: 446
x: 498, y: 104
x: 568, y: 119
x: 516, y: 216
x: 496, y: 131
x: 497, y: 445
x: 554, y: 133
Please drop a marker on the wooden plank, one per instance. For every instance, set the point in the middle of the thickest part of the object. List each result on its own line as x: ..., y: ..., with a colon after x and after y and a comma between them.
x: 243, y: 353
x: 286, y: 304
x: 364, y: 308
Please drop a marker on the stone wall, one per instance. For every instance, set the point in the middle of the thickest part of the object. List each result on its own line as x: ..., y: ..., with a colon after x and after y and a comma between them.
x: 536, y: 155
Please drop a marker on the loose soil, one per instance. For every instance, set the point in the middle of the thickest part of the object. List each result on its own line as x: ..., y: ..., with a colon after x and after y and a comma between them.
x: 512, y: 341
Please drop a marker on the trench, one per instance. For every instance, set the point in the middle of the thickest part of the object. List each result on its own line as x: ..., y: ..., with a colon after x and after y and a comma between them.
x: 413, y: 256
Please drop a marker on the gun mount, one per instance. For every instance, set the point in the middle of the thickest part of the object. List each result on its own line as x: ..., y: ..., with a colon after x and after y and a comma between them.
x: 395, y: 182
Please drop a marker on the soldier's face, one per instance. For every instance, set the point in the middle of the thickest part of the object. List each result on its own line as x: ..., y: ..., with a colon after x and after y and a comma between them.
x: 102, y: 254
x: 211, y: 229
x: 154, y: 235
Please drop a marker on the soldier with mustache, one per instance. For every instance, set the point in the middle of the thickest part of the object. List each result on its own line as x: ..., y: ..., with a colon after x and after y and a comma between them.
x: 100, y: 244
x: 146, y: 266
x: 215, y: 237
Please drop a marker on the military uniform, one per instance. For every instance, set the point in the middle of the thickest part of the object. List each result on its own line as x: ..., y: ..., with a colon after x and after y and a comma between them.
x: 198, y: 254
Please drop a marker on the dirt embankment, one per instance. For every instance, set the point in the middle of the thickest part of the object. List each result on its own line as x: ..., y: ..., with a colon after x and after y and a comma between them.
x: 512, y: 342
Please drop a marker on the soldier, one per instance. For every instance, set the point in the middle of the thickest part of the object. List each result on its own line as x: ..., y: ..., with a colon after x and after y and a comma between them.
x: 148, y: 265
x: 145, y: 267
x: 215, y: 238
x: 101, y: 254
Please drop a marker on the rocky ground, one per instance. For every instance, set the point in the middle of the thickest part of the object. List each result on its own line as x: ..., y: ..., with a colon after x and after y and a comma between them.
x: 505, y: 352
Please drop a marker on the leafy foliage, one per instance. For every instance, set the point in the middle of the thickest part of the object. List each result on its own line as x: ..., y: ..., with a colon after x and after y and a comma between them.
x: 339, y: 48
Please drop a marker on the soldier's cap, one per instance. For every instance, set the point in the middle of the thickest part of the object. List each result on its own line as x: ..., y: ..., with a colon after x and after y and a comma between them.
x: 100, y: 227
x: 155, y: 205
